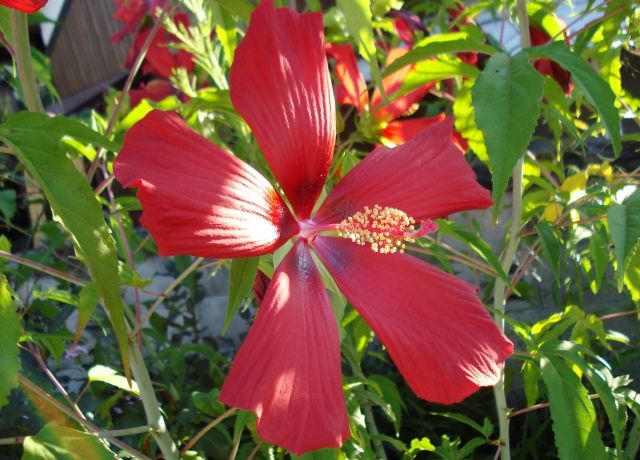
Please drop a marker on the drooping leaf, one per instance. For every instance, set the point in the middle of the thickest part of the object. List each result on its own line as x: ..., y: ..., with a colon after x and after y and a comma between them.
x: 567, y: 351
x: 10, y: 331
x: 572, y: 412
x: 448, y: 43
x: 87, y: 302
x: 104, y: 374
x: 358, y: 17
x: 590, y: 83
x: 36, y: 140
x: 57, y: 442
x: 624, y: 228
x: 506, y: 99
x: 241, y: 276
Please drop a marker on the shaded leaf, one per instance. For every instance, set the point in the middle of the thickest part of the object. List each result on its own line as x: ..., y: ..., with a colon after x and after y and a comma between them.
x: 624, y: 228
x: 506, y: 99
x: 242, y: 273
x: 590, y: 83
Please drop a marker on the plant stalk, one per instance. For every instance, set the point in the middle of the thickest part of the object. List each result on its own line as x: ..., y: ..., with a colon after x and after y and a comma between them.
x: 500, y: 288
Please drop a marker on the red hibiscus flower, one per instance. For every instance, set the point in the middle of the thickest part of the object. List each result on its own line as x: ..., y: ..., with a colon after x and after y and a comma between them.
x: 546, y: 66
x: 406, y: 25
x: 155, y: 90
x: 28, y: 6
x: 201, y: 200
x: 161, y: 59
x: 132, y: 12
x: 352, y: 90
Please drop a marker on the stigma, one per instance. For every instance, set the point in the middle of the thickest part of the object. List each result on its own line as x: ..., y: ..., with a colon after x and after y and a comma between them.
x: 386, y: 230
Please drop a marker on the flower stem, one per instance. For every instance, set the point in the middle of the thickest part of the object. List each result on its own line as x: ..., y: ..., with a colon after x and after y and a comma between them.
x: 500, y: 288
x: 24, y: 64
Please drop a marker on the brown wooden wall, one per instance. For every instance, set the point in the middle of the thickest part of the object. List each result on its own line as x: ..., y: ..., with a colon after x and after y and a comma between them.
x: 82, y: 53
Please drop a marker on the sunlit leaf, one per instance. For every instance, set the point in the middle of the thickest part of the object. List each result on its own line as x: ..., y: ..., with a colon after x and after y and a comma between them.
x: 506, y: 99
x: 10, y: 331
x: 624, y: 228
x: 572, y: 412
x: 62, y: 443
x: 241, y: 276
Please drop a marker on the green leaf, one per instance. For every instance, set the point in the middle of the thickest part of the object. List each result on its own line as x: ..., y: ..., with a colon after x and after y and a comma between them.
x: 600, y: 384
x: 438, y: 69
x: 10, y: 331
x: 240, y: 8
x: 624, y: 228
x: 357, y: 14
x: 242, y: 273
x: 388, y: 390
x: 208, y: 403
x: 551, y: 248
x: 87, y: 302
x: 448, y: 43
x: 465, y: 121
x: 476, y: 243
x: 36, y: 141
x: 632, y: 277
x: 56, y: 442
x: 104, y: 374
x: 8, y: 203
x: 506, y: 99
x: 590, y: 83
x: 573, y: 415
x: 485, y: 430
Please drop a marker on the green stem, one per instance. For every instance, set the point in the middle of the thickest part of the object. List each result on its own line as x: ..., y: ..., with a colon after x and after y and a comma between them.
x: 500, y: 288
x: 24, y: 64
x: 151, y: 405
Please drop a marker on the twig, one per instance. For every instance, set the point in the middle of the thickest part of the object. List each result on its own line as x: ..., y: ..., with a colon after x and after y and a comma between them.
x: 12, y: 440
x: 209, y: 426
x: 620, y: 314
x: 254, y: 451
x: 164, y: 295
x: 43, y: 268
x: 535, y: 407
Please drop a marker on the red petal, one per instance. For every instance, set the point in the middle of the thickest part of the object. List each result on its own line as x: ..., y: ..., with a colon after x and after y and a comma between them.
x: 351, y: 89
x: 392, y: 84
x: 287, y: 370
x: 400, y: 132
x: 28, y: 6
x: 156, y: 90
x: 433, y: 325
x: 426, y: 178
x: 546, y: 66
x: 197, y: 198
x: 280, y: 84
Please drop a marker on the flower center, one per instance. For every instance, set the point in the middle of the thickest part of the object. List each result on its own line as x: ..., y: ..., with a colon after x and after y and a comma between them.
x: 386, y: 229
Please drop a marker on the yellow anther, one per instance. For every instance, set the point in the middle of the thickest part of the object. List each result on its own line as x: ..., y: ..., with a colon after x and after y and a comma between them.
x: 386, y: 229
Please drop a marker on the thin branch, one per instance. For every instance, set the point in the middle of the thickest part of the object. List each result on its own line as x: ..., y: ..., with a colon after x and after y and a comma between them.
x: 209, y: 426
x: 536, y: 407
x: 43, y: 268
x: 619, y: 314
x: 164, y: 295
x: 166, y: 11
x: 30, y: 386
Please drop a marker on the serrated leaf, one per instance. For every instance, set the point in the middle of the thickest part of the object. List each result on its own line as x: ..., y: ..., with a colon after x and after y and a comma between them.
x: 599, y: 383
x: 448, y: 43
x: 572, y: 412
x: 10, y: 332
x: 506, y: 99
x: 590, y: 83
x: 104, y: 374
x: 56, y: 442
x: 624, y: 228
x: 358, y: 18
x: 36, y: 140
x: 242, y: 273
